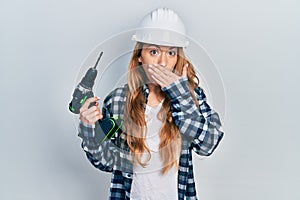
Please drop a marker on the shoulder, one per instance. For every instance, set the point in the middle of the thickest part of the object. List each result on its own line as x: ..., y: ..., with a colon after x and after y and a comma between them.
x: 118, y: 94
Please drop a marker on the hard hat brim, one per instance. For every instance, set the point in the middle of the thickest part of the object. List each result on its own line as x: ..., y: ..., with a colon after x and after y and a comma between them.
x: 160, y: 37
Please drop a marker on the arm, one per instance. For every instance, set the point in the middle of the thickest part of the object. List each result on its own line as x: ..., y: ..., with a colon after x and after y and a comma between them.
x: 201, y: 124
x: 100, y: 155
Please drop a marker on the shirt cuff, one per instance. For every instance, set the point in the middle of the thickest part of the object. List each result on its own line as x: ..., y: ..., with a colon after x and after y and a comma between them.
x: 86, y: 130
x: 177, y: 88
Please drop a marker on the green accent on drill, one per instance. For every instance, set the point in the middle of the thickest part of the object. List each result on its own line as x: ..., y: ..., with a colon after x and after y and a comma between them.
x: 71, y: 108
x: 83, y: 100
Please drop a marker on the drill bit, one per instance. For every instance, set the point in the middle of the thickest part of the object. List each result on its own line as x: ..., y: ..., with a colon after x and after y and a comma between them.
x: 98, y: 60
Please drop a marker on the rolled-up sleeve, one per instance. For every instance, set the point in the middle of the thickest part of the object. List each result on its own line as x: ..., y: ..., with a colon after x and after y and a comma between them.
x: 199, y: 123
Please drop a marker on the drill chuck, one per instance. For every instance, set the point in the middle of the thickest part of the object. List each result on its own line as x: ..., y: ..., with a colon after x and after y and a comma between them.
x: 88, y: 80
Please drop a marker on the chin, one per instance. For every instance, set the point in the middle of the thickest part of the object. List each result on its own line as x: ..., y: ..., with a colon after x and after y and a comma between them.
x: 152, y: 83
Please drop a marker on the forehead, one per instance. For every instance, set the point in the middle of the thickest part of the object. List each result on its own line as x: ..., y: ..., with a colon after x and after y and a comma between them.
x: 158, y: 46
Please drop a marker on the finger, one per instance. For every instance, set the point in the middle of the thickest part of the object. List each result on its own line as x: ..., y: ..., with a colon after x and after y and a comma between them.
x: 157, y: 80
x: 90, y: 110
x: 94, y: 119
x: 168, y: 74
x: 163, y: 79
x: 157, y: 76
x: 158, y: 72
x: 91, y: 114
x: 94, y: 116
x: 184, y: 70
x: 87, y: 103
x: 91, y: 118
x: 164, y: 70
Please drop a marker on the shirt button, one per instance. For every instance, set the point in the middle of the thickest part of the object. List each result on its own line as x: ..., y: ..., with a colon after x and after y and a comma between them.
x: 128, y: 175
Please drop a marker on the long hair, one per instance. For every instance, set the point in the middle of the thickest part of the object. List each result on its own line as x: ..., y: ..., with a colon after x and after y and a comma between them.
x: 134, y: 113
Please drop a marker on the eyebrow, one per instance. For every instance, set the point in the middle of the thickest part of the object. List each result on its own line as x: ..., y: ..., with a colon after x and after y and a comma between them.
x: 159, y: 46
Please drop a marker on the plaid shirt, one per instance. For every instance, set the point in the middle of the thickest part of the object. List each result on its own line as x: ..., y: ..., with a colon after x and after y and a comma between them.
x: 200, y: 128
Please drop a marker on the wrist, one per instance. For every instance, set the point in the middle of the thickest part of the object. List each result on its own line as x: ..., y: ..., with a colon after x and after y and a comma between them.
x: 177, y: 88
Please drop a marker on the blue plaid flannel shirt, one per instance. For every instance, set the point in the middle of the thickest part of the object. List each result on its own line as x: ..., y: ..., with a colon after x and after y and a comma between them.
x: 200, y: 128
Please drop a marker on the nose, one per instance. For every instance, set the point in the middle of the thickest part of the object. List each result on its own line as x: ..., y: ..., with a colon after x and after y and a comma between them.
x: 163, y: 59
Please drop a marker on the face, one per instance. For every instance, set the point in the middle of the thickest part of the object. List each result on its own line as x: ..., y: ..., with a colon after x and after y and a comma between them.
x: 158, y: 55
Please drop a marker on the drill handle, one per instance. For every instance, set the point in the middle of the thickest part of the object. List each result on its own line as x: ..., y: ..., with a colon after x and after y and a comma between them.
x: 78, y: 100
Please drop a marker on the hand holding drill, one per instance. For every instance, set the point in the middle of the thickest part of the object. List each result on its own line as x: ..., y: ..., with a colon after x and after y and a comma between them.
x: 86, y: 104
x: 90, y: 115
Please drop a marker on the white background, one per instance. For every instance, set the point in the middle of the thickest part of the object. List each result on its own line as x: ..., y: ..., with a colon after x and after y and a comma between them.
x: 255, y: 45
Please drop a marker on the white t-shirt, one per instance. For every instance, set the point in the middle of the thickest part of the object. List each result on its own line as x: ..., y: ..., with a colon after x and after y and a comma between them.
x: 148, y: 183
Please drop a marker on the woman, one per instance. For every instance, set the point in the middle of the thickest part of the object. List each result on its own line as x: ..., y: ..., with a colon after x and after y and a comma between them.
x: 165, y: 115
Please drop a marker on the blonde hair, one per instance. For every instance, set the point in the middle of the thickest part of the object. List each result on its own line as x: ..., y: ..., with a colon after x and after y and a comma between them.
x: 135, y: 125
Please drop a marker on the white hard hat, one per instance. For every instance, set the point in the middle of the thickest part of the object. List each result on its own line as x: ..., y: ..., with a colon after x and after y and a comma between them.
x: 162, y: 27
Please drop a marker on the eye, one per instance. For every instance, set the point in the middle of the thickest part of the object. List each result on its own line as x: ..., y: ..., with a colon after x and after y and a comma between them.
x: 153, y: 52
x: 172, y: 53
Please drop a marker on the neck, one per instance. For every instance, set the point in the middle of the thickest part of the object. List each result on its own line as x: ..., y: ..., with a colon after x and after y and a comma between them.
x: 155, y: 91
x: 153, y: 88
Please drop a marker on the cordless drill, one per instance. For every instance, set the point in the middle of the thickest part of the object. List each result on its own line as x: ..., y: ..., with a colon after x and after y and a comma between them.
x: 105, y: 128
x: 83, y: 91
